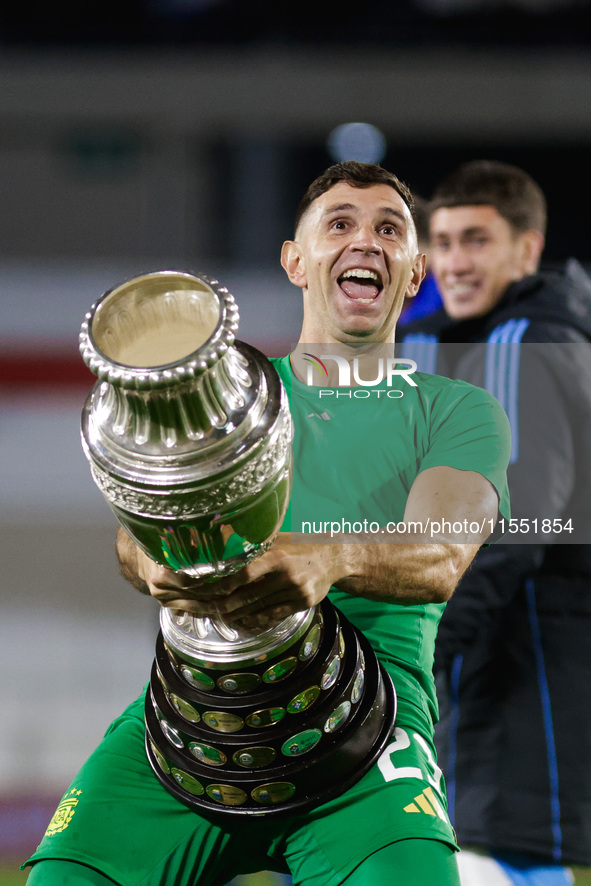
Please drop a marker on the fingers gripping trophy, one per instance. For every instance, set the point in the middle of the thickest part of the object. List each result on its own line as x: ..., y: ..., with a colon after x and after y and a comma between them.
x: 188, y: 434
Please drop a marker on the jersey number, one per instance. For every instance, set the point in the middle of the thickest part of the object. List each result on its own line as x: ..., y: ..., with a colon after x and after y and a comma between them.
x: 391, y: 772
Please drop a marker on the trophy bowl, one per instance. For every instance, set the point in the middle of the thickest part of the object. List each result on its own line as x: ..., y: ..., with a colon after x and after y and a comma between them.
x: 187, y: 432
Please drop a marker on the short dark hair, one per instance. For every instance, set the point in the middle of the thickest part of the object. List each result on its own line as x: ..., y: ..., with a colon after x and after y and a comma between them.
x: 513, y: 193
x: 356, y: 174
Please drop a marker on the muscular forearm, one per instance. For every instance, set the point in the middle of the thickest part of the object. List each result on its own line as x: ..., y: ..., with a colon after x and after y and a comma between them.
x: 298, y: 571
x: 295, y: 574
x: 409, y: 573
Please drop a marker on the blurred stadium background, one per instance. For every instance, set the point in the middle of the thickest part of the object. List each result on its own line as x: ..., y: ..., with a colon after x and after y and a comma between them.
x: 143, y: 134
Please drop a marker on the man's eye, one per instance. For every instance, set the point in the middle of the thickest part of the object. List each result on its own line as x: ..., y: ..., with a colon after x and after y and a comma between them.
x: 389, y: 230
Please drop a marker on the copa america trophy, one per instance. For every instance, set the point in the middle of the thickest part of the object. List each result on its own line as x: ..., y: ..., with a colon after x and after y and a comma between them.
x: 188, y: 435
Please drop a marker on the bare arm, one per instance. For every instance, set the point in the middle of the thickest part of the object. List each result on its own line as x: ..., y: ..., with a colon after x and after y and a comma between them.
x: 430, y: 567
x: 292, y: 576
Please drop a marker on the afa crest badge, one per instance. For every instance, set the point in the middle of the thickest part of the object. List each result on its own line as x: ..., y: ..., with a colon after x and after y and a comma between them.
x: 64, y: 813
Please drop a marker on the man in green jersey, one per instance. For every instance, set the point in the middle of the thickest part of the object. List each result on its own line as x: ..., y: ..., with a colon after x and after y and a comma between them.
x: 395, y: 469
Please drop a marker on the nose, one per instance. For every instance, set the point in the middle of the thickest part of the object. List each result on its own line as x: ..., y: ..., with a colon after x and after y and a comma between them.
x: 365, y: 239
x: 455, y: 260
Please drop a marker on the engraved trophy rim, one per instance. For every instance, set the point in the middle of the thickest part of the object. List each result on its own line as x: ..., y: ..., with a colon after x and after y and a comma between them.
x: 190, y: 365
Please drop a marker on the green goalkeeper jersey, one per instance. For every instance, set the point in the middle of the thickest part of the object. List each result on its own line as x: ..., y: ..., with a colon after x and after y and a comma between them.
x: 357, y: 452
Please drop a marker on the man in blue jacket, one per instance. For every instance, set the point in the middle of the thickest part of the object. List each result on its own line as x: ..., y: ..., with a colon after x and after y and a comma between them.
x: 514, y: 677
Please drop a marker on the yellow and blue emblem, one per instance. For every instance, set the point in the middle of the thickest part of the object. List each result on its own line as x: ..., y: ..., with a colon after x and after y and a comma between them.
x: 64, y: 813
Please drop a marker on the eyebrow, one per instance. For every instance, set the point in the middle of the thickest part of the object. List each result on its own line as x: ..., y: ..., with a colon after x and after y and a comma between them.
x: 347, y: 207
x: 465, y: 232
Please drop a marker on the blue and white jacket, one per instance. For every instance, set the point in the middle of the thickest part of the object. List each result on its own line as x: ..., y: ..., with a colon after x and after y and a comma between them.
x: 513, y: 659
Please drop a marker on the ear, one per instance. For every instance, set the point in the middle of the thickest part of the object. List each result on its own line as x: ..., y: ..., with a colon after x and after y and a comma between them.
x: 532, y: 246
x: 417, y: 276
x: 292, y: 262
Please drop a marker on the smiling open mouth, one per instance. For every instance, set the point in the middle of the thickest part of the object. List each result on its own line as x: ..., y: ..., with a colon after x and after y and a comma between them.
x: 462, y: 291
x: 361, y: 284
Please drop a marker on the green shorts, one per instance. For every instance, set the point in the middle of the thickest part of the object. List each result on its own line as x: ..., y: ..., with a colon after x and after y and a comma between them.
x: 117, y: 818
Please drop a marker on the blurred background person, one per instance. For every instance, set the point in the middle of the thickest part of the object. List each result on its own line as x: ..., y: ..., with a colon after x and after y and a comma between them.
x: 513, y: 671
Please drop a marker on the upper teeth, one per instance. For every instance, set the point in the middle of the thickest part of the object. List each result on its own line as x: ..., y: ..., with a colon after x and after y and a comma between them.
x: 361, y: 272
x: 461, y: 288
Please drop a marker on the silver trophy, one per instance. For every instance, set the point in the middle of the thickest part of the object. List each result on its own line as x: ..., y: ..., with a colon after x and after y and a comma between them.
x: 188, y: 435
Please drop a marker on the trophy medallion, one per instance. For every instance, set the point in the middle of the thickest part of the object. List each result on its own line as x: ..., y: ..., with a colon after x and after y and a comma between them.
x: 188, y: 435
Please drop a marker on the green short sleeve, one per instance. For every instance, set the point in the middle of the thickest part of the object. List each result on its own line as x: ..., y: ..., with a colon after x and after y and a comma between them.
x: 470, y: 431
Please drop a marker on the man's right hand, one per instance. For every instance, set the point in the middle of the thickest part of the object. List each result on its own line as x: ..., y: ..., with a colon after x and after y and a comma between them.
x: 268, y: 592
x: 174, y: 590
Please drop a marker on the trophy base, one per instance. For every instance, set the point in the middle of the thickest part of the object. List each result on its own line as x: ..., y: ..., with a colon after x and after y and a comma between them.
x: 274, y: 750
